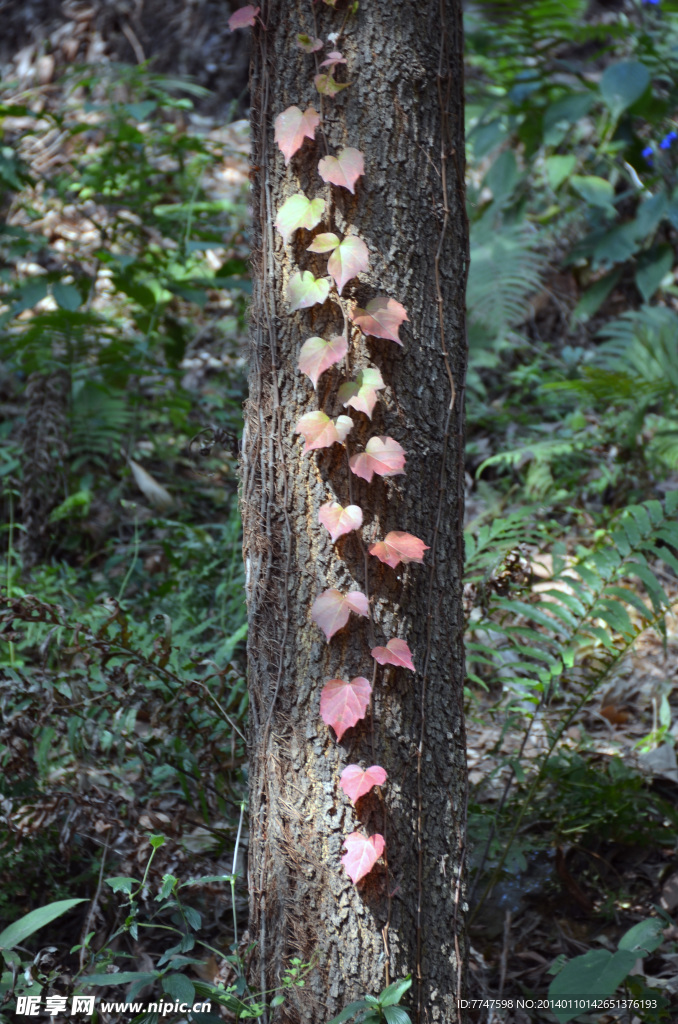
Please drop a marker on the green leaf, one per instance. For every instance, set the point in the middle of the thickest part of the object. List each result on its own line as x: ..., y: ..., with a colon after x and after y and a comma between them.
x: 394, y: 993
x: 20, y: 930
x: 596, y: 974
x: 119, y: 978
x: 653, y: 267
x: 179, y: 987
x: 595, y: 296
x: 396, y: 1015
x: 594, y: 190
x: 503, y: 175
x: 644, y: 937
x: 122, y: 884
x: 558, y: 169
x: 66, y: 296
x: 622, y: 84
x: 348, y: 1012
x: 565, y: 111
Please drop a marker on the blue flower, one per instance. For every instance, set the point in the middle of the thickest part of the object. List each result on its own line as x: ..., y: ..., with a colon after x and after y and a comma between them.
x: 668, y: 140
x: 655, y: 3
x: 647, y: 155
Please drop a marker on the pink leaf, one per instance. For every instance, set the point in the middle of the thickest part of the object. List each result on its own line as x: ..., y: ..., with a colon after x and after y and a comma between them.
x: 343, y: 170
x: 327, y: 85
x: 343, y: 704
x: 330, y: 611
x: 298, y: 212
x: 320, y: 431
x: 381, y: 318
x: 361, y: 394
x: 307, y: 44
x: 340, y: 520
x: 324, y: 243
x: 348, y: 260
x: 355, y: 781
x: 396, y: 652
x: 333, y: 58
x: 304, y: 290
x: 399, y: 547
x: 244, y: 18
x: 362, y: 853
x: 292, y: 127
x: 382, y: 456
x: 317, y: 355
x: 358, y: 603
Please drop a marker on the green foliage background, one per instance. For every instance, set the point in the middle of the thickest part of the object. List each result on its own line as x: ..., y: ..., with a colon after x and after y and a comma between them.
x: 122, y: 686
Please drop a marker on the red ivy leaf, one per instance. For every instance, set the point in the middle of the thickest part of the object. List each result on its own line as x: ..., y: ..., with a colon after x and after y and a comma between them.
x: 340, y: 520
x: 356, y: 781
x: 320, y: 431
x: 343, y: 170
x: 304, y: 290
x: 362, y: 853
x: 292, y: 127
x: 244, y: 18
x: 396, y: 653
x: 333, y: 57
x: 343, y: 704
x: 317, y: 355
x: 381, y: 318
x: 382, y: 456
x: 348, y: 260
x: 361, y: 393
x: 330, y: 611
x: 399, y: 547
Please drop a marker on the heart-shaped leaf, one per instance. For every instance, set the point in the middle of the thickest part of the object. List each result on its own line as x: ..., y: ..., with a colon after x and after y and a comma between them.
x: 356, y: 781
x: 343, y: 704
x: 298, y: 212
x: 308, y: 45
x: 330, y: 611
x: 340, y: 520
x: 292, y: 127
x: 381, y: 318
x: 344, y: 169
x: 362, y: 853
x: 244, y: 18
x: 325, y: 242
x: 361, y: 393
x: 349, y: 259
x: 317, y: 355
x: 304, y: 290
x: 320, y: 431
x: 333, y: 58
x: 327, y: 84
x: 396, y: 653
x: 382, y: 456
x: 399, y: 547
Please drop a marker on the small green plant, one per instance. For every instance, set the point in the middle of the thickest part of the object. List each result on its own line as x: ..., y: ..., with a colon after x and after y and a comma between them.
x: 595, y: 976
x: 382, y: 1009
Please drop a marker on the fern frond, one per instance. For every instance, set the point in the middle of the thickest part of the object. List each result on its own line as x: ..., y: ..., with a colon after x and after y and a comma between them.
x: 506, y: 269
x: 579, y: 623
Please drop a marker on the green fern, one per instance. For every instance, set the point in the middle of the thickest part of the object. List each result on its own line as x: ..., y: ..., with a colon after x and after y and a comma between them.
x: 506, y: 269
x: 101, y: 417
x: 638, y: 360
x: 588, y: 614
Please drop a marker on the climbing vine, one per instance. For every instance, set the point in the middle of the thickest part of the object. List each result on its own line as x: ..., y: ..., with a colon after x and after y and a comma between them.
x: 343, y: 703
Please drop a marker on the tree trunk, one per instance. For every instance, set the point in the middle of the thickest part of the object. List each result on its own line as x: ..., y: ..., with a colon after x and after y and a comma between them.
x: 404, y: 111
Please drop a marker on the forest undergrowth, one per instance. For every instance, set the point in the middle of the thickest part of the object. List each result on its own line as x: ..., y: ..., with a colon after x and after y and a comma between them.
x: 123, y: 298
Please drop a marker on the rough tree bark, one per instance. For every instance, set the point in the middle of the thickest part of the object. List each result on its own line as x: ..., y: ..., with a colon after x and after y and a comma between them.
x: 404, y: 110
